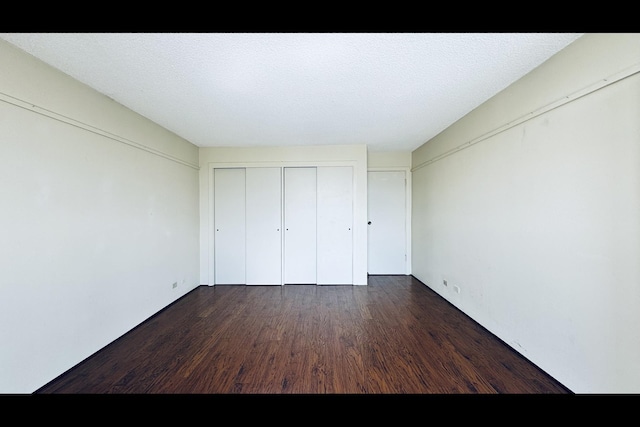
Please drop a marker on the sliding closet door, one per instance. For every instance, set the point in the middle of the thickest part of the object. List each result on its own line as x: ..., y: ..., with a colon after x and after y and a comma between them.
x: 264, y: 219
x: 290, y: 225
x: 229, y: 226
x: 300, y: 225
x: 335, y: 223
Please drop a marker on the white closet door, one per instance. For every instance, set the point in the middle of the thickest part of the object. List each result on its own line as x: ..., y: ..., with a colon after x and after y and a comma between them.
x: 264, y: 219
x: 300, y: 225
x: 229, y: 222
x: 335, y: 224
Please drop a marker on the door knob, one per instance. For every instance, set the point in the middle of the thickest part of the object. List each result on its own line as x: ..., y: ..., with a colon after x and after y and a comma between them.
x: 369, y: 223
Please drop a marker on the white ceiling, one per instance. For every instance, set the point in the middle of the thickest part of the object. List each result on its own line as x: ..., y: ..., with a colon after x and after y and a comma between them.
x: 391, y: 91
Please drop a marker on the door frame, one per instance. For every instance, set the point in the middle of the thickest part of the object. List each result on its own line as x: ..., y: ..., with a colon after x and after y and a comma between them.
x: 211, y: 166
x: 407, y: 198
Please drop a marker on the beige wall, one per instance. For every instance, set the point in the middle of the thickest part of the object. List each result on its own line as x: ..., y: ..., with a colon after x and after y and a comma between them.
x: 389, y: 160
x: 99, y: 218
x: 352, y: 155
x: 529, y: 206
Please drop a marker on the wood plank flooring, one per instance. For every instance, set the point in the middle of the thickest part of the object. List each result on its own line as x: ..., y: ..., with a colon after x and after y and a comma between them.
x: 394, y: 336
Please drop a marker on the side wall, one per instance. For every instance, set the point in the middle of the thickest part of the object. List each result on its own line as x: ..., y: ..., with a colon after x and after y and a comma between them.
x: 99, y: 219
x: 355, y: 155
x: 529, y: 208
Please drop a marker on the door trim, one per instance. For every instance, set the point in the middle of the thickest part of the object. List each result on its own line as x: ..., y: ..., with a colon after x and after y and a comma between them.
x: 407, y: 175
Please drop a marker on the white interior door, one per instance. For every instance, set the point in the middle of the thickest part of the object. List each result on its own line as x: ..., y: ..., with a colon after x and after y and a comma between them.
x: 264, y: 219
x: 335, y: 222
x: 386, y: 195
x: 229, y: 223
x: 300, y: 225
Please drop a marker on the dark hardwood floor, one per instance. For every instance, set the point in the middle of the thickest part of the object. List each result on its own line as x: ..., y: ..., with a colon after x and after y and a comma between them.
x: 394, y: 336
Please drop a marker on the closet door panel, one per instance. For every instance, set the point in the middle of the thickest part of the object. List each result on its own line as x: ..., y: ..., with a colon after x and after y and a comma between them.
x: 300, y: 225
x: 335, y: 224
x: 263, y: 230
x: 229, y: 223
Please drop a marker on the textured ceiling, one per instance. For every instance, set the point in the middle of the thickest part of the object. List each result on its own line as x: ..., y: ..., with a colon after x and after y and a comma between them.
x: 390, y: 91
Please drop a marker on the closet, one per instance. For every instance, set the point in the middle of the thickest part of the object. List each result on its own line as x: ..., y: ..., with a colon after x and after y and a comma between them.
x: 283, y: 225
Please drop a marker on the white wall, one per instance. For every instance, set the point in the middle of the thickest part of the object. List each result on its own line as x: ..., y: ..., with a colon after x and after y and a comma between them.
x: 98, y: 218
x: 353, y: 155
x: 530, y: 205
